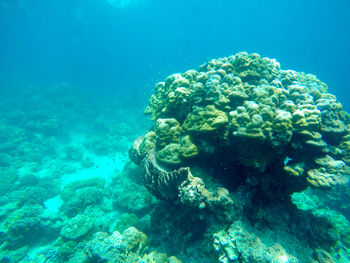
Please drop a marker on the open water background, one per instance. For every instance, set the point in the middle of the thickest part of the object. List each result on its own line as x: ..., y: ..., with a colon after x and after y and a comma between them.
x: 126, y: 46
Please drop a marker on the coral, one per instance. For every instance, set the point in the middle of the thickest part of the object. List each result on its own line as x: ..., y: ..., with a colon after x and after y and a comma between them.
x: 345, y: 147
x: 323, y: 256
x: 8, y: 177
x: 23, y: 225
x: 69, y: 191
x: 255, y: 108
x: 42, y: 138
x: 45, y: 255
x: 305, y: 202
x: 173, y: 259
x: 141, y: 146
x: 131, y: 246
x: 237, y: 244
x: 330, y: 173
x: 134, y: 240
x: 205, y: 119
x: 176, y: 153
x: 330, y: 223
x: 32, y: 190
x: 125, y: 221
x: 167, y: 131
x: 87, y: 196
x: 65, y: 248
x: 103, y: 246
x: 253, y: 129
x: 28, y: 180
x: 18, y: 255
x: 338, y: 222
x: 129, y: 196
x: 80, y: 225
x: 148, y: 142
x: 193, y: 192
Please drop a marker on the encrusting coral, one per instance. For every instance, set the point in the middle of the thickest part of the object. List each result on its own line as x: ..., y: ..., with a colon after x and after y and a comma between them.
x: 248, y: 122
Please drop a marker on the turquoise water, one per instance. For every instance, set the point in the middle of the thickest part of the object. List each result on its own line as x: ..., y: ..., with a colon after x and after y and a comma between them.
x: 75, y: 79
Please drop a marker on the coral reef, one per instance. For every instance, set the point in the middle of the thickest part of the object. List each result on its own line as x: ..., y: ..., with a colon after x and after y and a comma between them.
x: 244, y: 162
x: 255, y: 129
x: 53, y: 141
x: 8, y: 177
x: 238, y: 244
x: 130, y: 196
x: 26, y: 225
x: 77, y: 227
x: 131, y: 246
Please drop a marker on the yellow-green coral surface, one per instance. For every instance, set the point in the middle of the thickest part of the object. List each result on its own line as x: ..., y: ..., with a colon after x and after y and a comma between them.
x: 260, y: 112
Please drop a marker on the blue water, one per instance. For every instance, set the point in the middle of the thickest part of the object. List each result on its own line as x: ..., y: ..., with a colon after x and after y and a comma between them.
x: 75, y: 79
x: 97, y: 45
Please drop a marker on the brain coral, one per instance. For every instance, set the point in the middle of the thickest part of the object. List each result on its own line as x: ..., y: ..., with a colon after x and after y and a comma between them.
x: 244, y: 117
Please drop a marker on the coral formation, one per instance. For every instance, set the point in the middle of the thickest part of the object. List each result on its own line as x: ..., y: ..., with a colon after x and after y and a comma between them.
x: 237, y: 244
x: 77, y: 227
x: 131, y: 246
x: 279, y: 112
x: 251, y: 127
x: 249, y: 163
x: 8, y: 177
x: 53, y: 198
x: 130, y: 196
